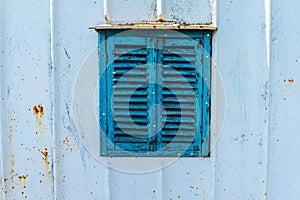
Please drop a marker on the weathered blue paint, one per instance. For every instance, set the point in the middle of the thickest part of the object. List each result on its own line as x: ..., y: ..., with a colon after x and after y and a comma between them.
x: 155, y: 62
x: 206, y: 93
x: 102, y: 91
x: 199, y: 109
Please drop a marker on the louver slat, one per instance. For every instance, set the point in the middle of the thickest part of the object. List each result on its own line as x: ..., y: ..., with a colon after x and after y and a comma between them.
x: 129, y: 94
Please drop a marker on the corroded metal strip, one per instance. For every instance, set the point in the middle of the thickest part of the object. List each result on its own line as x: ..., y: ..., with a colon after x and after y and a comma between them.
x: 164, y: 25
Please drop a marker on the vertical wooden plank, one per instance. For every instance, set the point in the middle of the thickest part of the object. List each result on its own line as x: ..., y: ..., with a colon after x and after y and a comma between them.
x: 131, y: 11
x: 109, y: 92
x: 159, y: 65
x: 103, y: 91
x: 206, y: 93
x: 191, y: 11
x: 199, y: 92
x: 129, y: 186
x: 188, y: 178
x: 26, y: 101
x: 2, y: 22
x: 284, y: 137
x: 151, y: 73
x: 79, y: 172
x: 242, y: 65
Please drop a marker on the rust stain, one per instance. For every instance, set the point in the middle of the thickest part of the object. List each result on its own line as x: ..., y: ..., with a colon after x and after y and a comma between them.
x: 160, y: 18
x: 10, y: 134
x: 12, y: 160
x: 107, y: 19
x: 46, y: 160
x: 291, y: 80
x: 66, y: 140
x: 23, y: 177
x: 159, y: 24
x: 13, y: 175
x: 38, y: 111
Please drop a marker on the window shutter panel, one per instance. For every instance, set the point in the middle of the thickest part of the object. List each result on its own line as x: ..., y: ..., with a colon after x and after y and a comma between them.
x: 181, y: 95
x: 168, y: 68
x: 128, y: 127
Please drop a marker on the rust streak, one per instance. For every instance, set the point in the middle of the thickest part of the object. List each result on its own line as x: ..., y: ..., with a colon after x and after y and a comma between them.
x: 38, y: 111
x: 12, y: 160
x: 23, y: 178
x: 160, y: 18
x: 10, y: 134
x: 46, y: 160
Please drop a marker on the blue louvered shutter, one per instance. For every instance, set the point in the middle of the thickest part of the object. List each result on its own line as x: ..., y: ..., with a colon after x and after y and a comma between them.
x: 165, y: 69
x: 128, y: 77
x: 180, y: 95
